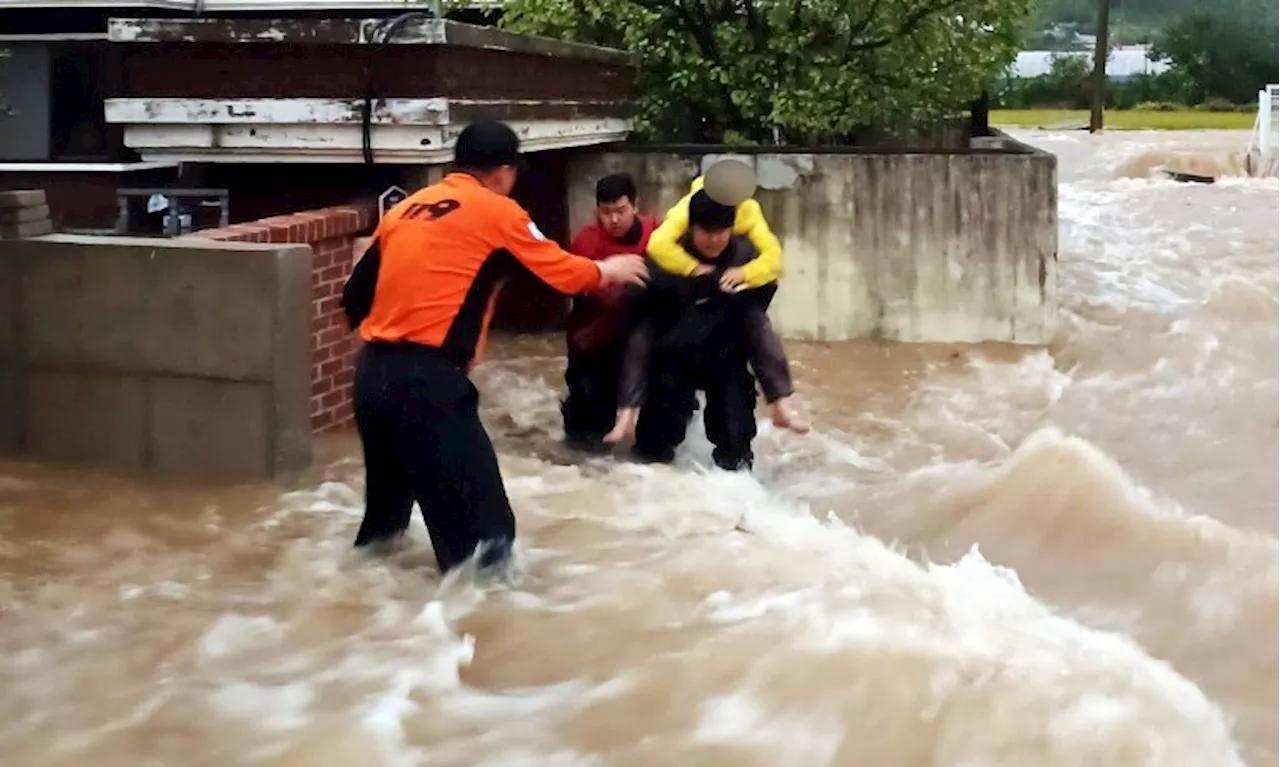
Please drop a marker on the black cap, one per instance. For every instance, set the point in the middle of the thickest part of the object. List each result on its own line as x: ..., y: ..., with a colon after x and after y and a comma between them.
x: 486, y: 144
x: 706, y: 213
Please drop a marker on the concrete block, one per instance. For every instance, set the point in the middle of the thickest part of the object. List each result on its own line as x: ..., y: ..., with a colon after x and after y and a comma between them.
x: 22, y: 215
x: 86, y: 418
x: 191, y: 307
x: 211, y: 310
x: 291, y: 343
x: 12, y: 363
x: 209, y: 430
x: 84, y: 305
x: 10, y: 310
x: 11, y: 408
x: 25, y: 229
x: 176, y: 358
x: 22, y: 198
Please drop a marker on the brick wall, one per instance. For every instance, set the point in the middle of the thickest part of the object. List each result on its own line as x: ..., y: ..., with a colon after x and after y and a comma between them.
x: 331, y: 233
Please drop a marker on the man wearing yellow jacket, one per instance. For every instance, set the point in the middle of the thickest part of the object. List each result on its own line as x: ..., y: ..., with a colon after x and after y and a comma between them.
x: 730, y: 183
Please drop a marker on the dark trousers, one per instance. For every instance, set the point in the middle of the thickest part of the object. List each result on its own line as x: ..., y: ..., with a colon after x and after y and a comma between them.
x: 417, y: 415
x: 729, y: 416
x: 591, y: 407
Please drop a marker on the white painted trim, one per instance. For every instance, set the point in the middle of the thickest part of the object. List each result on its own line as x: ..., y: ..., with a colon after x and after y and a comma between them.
x: 174, y: 5
x: 53, y: 37
x: 295, y: 111
x: 85, y: 167
x: 302, y: 111
x: 392, y: 144
x: 213, y: 6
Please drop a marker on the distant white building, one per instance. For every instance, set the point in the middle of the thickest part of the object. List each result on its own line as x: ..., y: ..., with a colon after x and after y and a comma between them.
x: 1127, y: 61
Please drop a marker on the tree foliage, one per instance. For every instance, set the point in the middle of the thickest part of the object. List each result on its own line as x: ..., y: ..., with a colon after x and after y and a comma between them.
x: 1221, y: 55
x: 1134, y: 21
x: 791, y: 71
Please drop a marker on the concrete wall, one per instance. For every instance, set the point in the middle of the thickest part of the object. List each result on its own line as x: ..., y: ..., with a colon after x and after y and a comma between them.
x: 946, y: 247
x: 331, y: 234
x: 167, y: 358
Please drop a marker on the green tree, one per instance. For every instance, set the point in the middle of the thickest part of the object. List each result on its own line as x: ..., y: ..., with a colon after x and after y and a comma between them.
x: 791, y: 71
x: 1221, y: 55
x: 1132, y: 21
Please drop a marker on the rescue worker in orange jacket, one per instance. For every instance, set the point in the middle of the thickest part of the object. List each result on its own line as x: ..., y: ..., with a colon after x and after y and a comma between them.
x: 422, y: 297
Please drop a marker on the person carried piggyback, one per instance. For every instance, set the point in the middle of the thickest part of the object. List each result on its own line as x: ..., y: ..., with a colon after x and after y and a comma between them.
x: 731, y: 183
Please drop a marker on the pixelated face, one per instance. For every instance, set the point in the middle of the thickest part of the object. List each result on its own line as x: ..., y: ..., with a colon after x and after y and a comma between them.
x: 730, y: 182
x: 616, y: 218
x: 710, y: 243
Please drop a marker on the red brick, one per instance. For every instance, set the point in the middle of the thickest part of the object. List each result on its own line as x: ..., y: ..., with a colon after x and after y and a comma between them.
x: 330, y: 367
x: 324, y: 309
x: 322, y: 386
x: 330, y: 305
x: 335, y: 273
x: 329, y: 336
x: 339, y: 248
x: 337, y: 224
x: 321, y: 420
x: 321, y: 257
x: 331, y: 232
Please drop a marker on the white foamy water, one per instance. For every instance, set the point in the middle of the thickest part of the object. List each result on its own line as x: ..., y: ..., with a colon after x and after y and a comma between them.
x: 984, y: 556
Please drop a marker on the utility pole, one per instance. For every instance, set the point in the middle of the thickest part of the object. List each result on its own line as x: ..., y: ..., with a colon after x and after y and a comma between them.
x: 1100, y: 66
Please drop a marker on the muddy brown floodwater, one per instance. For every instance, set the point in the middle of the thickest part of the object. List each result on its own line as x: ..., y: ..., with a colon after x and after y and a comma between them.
x: 983, y: 556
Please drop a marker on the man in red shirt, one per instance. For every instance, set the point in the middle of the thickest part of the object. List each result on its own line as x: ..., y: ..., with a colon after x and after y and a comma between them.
x: 599, y: 321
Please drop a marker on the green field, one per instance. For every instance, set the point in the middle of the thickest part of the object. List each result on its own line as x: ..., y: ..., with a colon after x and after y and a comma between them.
x: 1123, y: 119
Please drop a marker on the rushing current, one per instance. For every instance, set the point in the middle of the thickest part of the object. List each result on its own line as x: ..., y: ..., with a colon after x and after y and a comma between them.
x: 983, y: 557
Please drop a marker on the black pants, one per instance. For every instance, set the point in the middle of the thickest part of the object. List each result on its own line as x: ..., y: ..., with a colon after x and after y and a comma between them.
x: 729, y: 416
x: 591, y: 407
x: 417, y: 415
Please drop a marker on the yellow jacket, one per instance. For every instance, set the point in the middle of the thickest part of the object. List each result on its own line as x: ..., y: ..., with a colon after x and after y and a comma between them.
x: 667, y: 252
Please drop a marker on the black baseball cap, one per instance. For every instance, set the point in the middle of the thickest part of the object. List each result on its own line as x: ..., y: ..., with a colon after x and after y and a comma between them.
x: 486, y: 144
x: 708, y: 214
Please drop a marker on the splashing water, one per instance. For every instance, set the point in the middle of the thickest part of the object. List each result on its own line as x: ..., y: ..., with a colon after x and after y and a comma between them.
x: 985, y: 556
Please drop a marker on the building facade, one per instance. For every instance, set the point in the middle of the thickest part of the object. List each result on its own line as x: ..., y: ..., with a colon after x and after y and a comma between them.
x: 275, y: 106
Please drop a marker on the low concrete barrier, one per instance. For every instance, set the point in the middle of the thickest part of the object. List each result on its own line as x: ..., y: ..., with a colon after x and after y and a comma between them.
x: 936, y: 246
x: 333, y: 234
x: 168, y: 358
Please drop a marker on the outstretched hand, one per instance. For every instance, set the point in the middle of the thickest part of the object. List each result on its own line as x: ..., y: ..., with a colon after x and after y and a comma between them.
x: 623, y: 270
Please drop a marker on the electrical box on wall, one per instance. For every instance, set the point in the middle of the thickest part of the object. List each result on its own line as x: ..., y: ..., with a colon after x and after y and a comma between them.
x: 24, y: 102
